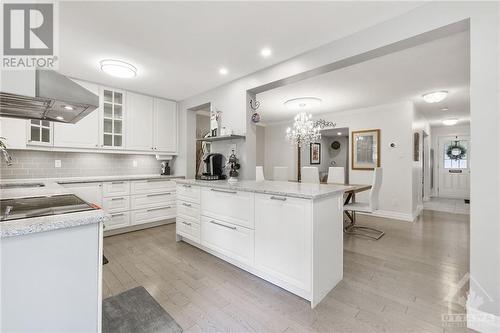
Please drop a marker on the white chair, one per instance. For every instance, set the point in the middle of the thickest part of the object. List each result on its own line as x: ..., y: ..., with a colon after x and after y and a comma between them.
x: 280, y: 174
x: 369, y: 207
x: 310, y: 175
x: 259, y: 174
x: 336, y: 175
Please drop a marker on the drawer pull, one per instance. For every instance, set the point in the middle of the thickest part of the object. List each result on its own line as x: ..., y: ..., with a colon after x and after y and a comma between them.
x: 186, y: 223
x: 186, y: 204
x: 115, y: 215
x: 223, y: 225
x: 157, y: 194
x: 278, y: 198
x: 153, y: 209
x: 114, y: 199
x: 116, y: 183
x: 223, y: 191
x: 186, y: 185
x: 154, y: 180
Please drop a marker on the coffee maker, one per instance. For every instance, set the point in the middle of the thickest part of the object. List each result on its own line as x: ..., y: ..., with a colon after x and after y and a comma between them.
x: 213, y: 168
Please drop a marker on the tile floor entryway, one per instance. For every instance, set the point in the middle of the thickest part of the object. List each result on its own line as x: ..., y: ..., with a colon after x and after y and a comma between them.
x: 457, y: 206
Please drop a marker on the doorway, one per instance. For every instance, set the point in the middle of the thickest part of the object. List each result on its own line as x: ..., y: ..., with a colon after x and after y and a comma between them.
x: 454, y: 167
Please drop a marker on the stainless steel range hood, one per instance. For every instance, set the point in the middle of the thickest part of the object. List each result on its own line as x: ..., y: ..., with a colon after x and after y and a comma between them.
x: 51, y: 96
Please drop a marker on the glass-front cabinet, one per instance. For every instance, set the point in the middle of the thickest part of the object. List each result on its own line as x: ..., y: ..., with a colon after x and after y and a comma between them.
x: 40, y: 132
x: 113, y: 116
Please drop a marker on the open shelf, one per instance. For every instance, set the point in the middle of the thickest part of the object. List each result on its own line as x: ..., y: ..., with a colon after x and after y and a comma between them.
x: 222, y: 138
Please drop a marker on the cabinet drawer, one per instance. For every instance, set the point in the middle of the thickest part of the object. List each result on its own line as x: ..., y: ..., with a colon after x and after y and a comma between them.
x: 151, y: 186
x: 186, y: 208
x: 227, y: 205
x: 110, y: 189
x: 188, y: 192
x: 188, y: 228
x: 228, y: 239
x: 116, y: 204
x: 152, y: 200
x: 152, y: 214
x: 118, y: 220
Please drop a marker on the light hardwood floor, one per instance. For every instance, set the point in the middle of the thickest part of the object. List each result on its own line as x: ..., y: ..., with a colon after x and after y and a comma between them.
x: 396, y: 284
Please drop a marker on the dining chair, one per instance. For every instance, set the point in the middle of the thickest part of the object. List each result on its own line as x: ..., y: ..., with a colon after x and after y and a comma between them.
x: 369, y: 207
x: 259, y: 174
x: 310, y: 175
x: 280, y: 174
x: 336, y: 175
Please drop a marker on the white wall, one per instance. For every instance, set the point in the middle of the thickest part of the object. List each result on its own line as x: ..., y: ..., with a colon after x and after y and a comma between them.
x: 260, y: 145
x: 485, y: 103
x: 420, y: 125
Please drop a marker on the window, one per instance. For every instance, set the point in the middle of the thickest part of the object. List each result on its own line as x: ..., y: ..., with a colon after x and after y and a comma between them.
x: 40, y: 131
x: 456, y: 154
x: 113, y: 119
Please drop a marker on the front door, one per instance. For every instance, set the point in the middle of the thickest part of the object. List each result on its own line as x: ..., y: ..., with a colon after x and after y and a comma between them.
x: 454, y: 167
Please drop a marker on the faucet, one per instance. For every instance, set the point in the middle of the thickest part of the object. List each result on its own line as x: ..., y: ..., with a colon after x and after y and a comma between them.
x: 5, y: 153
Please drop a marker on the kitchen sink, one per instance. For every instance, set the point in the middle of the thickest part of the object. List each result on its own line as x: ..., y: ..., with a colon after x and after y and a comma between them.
x: 21, y: 185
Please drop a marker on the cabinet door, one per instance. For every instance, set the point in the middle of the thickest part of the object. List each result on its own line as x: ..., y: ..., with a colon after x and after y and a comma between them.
x: 232, y: 206
x: 40, y: 132
x: 90, y: 192
x: 83, y: 134
x: 113, y: 109
x: 14, y: 132
x: 283, y: 232
x: 139, y: 122
x: 165, y: 125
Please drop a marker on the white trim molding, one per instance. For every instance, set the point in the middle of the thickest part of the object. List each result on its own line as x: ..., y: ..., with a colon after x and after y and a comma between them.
x: 488, y: 323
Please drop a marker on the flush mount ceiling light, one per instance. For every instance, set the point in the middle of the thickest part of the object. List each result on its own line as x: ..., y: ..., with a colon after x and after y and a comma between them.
x: 118, y: 68
x: 435, y: 96
x: 266, y: 52
x: 444, y: 109
x: 59, y: 118
x: 69, y: 107
x: 339, y: 133
x: 223, y: 71
x: 302, y: 102
x: 450, y: 122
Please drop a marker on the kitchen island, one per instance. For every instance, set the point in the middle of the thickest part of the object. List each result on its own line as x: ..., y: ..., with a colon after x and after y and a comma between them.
x: 290, y: 234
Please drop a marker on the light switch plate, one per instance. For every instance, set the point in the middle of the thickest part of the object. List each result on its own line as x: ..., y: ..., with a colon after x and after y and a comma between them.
x: 134, y: 163
x: 57, y: 163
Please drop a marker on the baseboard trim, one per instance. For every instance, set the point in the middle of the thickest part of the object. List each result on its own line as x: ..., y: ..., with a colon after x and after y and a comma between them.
x: 481, y: 321
x: 391, y: 215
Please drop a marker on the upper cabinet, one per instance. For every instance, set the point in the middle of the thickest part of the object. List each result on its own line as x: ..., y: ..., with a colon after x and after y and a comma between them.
x: 83, y: 134
x: 113, y: 110
x: 165, y: 126
x: 40, y: 132
x: 139, y: 122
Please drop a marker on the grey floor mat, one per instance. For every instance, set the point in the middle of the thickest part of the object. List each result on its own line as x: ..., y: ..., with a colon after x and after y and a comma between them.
x: 135, y: 310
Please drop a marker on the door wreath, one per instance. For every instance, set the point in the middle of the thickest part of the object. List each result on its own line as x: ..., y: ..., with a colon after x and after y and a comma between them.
x: 456, y: 151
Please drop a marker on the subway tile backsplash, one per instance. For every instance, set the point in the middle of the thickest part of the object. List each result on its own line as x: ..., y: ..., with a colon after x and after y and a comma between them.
x: 40, y: 164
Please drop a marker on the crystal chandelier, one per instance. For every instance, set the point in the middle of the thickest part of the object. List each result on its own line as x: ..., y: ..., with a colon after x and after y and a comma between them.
x: 304, y: 130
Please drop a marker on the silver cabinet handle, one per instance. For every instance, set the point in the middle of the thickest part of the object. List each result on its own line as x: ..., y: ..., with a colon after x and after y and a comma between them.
x: 223, y: 225
x: 278, y: 198
x: 223, y: 191
x: 185, y: 185
x: 154, y: 180
x: 114, y: 199
x: 186, y: 204
x: 153, y: 209
x: 189, y: 224
x: 119, y: 214
x: 116, y: 183
x: 158, y: 194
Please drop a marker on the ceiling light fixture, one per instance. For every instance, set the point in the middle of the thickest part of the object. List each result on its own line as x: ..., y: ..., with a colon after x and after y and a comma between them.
x: 339, y: 133
x: 302, y: 102
x: 266, y: 52
x: 450, y: 122
x: 118, y: 68
x: 435, y: 96
x: 444, y: 109
x: 223, y: 71
x: 69, y: 107
x: 59, y: 118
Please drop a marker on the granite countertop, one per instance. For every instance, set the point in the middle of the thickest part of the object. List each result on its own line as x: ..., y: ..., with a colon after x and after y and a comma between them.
x: 54, y: 222
x: 287, y: 189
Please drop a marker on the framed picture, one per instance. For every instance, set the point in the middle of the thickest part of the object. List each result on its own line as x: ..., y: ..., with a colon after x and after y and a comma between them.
x: 315, y: 153
x: 365, y: 149
x: 416, y: 146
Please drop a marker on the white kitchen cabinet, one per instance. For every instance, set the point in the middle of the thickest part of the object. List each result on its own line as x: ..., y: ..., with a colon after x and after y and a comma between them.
x: 188, y: 209
x: 152, y: 200
x: 232, y: 206
x: 165, y: 125
x: 14, y: 132
x: 116, y: 204
x: 83, y: 134
x: 141, y: 216
x: 90, y: 192
x: 116, y: 188
x: 284, y: 223
x: 189, y: 193
x: 189, y: 228
x: 40, y: 132
x: 112, y: 115
x: 139, y: 122
x: 118, y: 220
x: 151, y: 186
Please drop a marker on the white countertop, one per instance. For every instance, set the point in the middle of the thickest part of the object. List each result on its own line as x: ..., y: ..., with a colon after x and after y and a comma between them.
x: 52, y: 187
x: 288, y: 189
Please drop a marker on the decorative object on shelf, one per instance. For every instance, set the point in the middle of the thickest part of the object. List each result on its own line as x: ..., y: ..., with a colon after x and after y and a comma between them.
x: 315, y: 153
x: 215, y: 122
x: 254, y: 105
x: 303, y: 132
x: 321, y: 123
x: 233, y: 165
x: 456, y: 151
x: 365, y: 149
x: 226, y: 131
x: 335, y: 145
x: 416, y: 146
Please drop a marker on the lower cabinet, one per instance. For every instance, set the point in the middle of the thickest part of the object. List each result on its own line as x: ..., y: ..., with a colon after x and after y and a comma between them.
x: 141, y: 216
x: 90, y: 192
x: 189, y: 228
x: 228, y: 239
x: 118, y: 220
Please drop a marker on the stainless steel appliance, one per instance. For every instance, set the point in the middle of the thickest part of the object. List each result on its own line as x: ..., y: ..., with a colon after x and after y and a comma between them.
x: 165, y: 168
x: 56, y: 97
x: 14, y: 209
x: 213, y: 167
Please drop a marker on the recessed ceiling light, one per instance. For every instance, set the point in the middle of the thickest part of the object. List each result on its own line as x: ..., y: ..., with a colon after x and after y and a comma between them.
x: 444, y: 109
x: 118, y: 68
x: 223, y: 71
x: 59, y: 118
x: 450, y: 122
x: 435, y: 96
x: 302, y: 102
x: 266, y: 52
x: 339, y: 133
x: 69, y: 107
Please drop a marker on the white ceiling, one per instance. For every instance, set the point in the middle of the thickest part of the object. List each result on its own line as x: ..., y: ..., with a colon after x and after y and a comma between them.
x: 178, y: 47
x: 441, y: 64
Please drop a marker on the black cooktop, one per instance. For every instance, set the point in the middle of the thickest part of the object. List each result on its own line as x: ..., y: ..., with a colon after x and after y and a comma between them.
x: 14, y: 209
